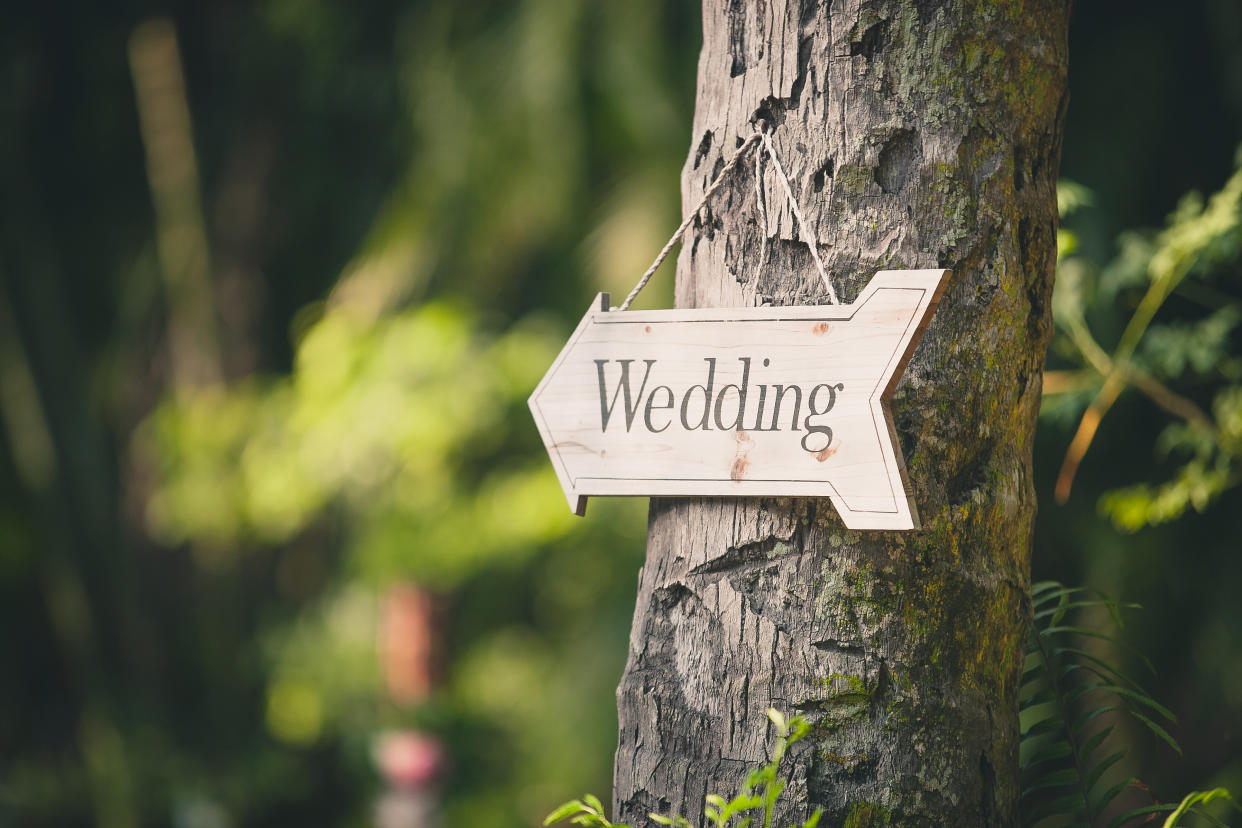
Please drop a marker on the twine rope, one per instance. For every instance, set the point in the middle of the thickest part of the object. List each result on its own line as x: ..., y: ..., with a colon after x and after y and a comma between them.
x: 759, y: 138
x: 793, y: 206
x: 762, y: 203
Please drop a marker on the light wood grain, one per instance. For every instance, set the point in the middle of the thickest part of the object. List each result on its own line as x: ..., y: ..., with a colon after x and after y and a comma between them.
x: 814, y: 421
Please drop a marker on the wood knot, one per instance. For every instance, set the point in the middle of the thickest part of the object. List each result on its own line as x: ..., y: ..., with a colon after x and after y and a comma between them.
x: 740, y: 463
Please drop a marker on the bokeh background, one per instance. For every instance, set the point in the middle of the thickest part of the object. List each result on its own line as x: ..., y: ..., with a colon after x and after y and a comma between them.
x: 278, y: 541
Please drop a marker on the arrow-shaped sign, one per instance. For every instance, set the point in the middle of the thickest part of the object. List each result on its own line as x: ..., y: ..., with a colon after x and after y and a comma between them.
x: 786, y: 401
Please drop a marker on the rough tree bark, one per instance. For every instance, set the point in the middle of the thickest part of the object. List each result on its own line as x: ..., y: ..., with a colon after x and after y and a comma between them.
x: 916, y: 134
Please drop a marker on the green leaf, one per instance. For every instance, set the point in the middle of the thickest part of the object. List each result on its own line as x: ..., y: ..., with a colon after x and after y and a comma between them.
x: 814, y: 820
x: 1137, y: 696
x: 1068, y: 669
x: 1053, y: 750
x: 571, y: 807
x: 1043, y: 697
x: 1046, y: 591
x: 798, y: 727
x: 1071, y: 805
x: 1082, y: 721
x: 1075, y: 605
x: 1095, y: 740
x: 743, y: 802
x: 1055, y: 779
x: 661, y: 820
x: 1052, y: 724
x: 1032, y: 673
x: 1091, y: 658
x: 1141, y: 698
x: 593, y: 801
x: 1106, y: 798
x: 1122, y: 819
x: 1086, y: 632
x: 1055, y: 597
x: 1071, y: 196
x: 1073, y: 695
x: 1201, y: 798
x: 1158, y: 730
x: 1093, y: 776
x: 1096, y: 660
x: 1104, y: 664
x: 1108, y: 673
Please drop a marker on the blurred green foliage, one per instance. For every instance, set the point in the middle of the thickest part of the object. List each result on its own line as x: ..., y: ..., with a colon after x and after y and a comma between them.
x: 1201, y: 242
x: 407, y: 207
x: 409, y: 425
x: 425, y: 196
x: 409, y: 435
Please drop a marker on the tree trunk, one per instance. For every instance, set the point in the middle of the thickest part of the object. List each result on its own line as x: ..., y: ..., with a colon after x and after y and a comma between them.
x: 916, y: 135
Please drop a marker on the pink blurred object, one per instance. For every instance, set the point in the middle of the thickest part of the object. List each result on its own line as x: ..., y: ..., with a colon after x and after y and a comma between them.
x: 407, y: 758
x: 406, y: 642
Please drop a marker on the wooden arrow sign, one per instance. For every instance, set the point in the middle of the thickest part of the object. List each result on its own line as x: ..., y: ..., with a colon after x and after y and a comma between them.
x: 741, y: 401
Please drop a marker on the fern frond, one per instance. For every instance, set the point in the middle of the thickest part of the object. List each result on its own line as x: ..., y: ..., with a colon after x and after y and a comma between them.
x: 1066, y: 695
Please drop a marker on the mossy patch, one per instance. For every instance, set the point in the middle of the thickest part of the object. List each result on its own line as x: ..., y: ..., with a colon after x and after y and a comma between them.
x: 866, y: 815
x: 854, y: 179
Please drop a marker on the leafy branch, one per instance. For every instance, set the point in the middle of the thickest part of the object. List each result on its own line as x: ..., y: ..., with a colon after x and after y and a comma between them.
x: 1191, y: 805
x: 1199, y: 239
x: 758, y: 797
